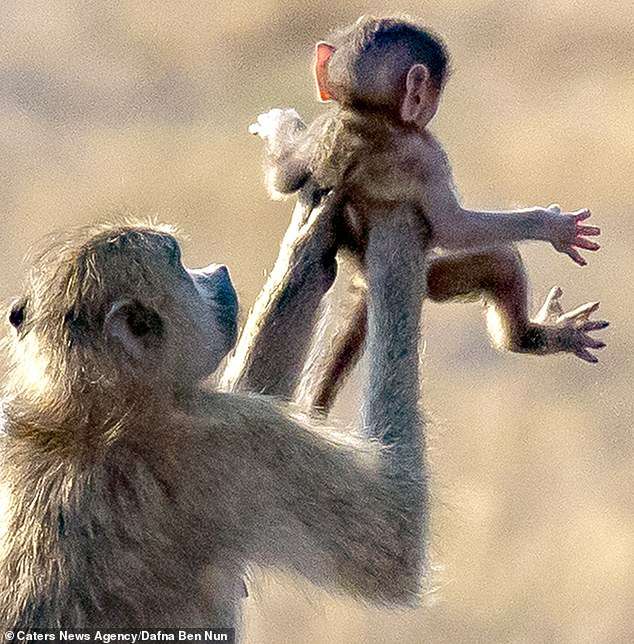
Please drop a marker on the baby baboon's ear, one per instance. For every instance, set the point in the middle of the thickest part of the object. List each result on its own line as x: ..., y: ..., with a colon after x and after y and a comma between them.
x: 323, y: 54
x: 418, y: 94
x: 136, y: 327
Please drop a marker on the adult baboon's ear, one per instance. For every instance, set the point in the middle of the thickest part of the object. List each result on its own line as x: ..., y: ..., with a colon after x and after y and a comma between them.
x: 135, y: 326
x: 418, y: 95
x: 323, y: 54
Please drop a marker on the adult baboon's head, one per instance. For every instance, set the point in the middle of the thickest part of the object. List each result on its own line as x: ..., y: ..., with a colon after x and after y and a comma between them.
x: 114, y: 305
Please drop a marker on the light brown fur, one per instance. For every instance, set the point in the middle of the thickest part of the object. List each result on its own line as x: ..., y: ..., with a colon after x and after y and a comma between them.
x: 139, y: 497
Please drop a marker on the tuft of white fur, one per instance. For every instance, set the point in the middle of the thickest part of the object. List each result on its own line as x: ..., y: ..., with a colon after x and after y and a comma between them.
x: 268, y: 124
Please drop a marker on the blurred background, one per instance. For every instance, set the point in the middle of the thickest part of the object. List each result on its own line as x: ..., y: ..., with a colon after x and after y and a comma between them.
x: 143, y: 107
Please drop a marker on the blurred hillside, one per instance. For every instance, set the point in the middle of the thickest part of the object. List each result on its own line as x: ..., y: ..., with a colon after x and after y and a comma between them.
x: 143, y: 106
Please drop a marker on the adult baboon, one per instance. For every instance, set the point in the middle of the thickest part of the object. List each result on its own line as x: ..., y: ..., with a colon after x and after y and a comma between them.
x: 138, y: 497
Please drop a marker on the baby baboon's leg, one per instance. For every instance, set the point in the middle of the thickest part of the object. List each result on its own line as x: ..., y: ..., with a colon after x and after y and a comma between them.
x: 336, y: 347
x: 498, y: 276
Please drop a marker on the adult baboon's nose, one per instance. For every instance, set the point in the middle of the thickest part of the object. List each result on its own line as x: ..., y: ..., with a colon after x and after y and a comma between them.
x: 215, y: 280
x: 219, y: 271
x: 216, y: 272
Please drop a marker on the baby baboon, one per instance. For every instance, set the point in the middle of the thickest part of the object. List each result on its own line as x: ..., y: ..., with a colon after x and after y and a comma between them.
x: 386, y: 76
x: 132, y: 486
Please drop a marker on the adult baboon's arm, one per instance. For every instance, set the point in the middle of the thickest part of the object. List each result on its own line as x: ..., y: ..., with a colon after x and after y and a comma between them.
x: 347, y: 513
x: 273, y: 345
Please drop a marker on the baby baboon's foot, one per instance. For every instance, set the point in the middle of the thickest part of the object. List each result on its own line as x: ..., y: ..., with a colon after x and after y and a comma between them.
x: 570, y: 331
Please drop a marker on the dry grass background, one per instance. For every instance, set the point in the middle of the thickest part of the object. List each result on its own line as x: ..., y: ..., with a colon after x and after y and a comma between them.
x: 144, y: 106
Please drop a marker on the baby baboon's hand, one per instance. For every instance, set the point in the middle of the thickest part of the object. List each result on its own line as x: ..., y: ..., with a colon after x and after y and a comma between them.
x: 277, y: 126
x: 567, y: 233
x: 569, y: 331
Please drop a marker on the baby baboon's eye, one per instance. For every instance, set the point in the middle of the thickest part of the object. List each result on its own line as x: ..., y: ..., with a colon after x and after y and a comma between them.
x: 16, y: 316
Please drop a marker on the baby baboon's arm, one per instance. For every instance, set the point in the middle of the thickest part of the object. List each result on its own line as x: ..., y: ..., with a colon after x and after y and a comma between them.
x: 288, y: 147
x: 457, y: 228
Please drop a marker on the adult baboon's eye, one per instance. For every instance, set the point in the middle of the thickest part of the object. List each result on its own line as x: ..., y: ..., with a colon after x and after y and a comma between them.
x: 16, y: 316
